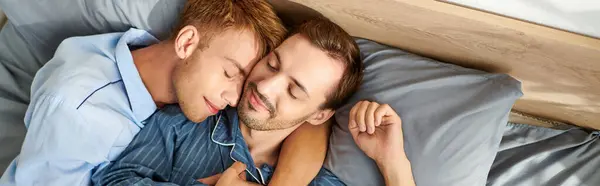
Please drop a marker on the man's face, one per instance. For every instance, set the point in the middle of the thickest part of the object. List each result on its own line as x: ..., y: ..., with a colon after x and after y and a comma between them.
x: 212, y: 77
x: 288, y: 86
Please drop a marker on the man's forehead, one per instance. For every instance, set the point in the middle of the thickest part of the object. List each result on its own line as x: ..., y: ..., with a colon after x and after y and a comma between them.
x: 244, y: 52
x: 245, y: 70
x: 311, y: 66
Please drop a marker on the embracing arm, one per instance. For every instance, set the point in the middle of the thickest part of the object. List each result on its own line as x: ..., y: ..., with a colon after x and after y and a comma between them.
x: 302, y: 154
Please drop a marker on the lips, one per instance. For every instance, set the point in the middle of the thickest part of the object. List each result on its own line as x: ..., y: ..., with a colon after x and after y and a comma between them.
x: 256, y: 102
x: 211, y: 107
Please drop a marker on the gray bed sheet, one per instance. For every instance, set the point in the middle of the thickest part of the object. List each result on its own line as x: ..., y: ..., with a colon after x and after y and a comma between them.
x: 537, y: 156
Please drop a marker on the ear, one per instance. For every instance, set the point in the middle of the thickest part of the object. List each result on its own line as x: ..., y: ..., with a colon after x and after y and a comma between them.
x: 320, y: 116
x: 186, y: 41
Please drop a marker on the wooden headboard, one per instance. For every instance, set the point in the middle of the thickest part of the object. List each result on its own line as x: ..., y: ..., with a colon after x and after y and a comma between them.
x: 559, y: 70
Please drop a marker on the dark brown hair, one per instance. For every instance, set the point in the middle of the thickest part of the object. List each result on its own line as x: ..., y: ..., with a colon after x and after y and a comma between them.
x: 332, y: 39
x: 211, y: 17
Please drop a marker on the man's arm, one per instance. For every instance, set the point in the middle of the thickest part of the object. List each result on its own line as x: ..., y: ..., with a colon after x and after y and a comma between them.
x: 146, y: 161
x: 302, y: 155
x: 397, y: 172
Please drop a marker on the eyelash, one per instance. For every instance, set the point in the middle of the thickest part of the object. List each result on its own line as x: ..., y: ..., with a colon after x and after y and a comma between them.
x: 270, y: 66
x: 290, y: 92
x: 226, y: 75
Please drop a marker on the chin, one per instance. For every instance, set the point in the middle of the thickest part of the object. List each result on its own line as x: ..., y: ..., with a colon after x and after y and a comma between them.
x: 195, y: 115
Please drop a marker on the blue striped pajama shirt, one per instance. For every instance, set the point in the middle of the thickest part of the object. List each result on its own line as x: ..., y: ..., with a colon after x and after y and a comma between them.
x: 171, y: 150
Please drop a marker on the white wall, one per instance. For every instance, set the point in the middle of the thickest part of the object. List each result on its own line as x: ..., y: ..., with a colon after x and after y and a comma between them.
x: 580, y: 16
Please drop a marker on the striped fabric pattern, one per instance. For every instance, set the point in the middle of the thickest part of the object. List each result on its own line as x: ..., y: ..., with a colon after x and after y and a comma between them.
x: 171, y: 150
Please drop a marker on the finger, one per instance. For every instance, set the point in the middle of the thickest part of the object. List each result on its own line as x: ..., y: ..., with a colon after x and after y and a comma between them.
x: 389, y: 116
x: 242, y: 175
x: 360, y: 116
x: 352, y: 116
x: 238, y: 167
x: 352, y: 125
x: 212, y: 180
x: 370, y: 117
x: 378, y: 115
x: 382, y: 112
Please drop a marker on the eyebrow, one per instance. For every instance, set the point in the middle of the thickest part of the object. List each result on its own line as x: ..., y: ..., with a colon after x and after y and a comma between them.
x: 238, y: 66
x: 293, y: 79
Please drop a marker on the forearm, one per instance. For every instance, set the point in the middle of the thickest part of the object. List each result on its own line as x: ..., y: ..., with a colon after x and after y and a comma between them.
x: 397, y: 172
x: 302, y: 155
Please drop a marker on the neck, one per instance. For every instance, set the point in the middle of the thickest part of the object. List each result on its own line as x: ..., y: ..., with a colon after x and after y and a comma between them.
x: 264, y: 145
x: 155, y: 65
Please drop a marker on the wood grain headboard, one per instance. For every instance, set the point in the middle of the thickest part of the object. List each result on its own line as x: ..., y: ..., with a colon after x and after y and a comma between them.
x: 559, y: 70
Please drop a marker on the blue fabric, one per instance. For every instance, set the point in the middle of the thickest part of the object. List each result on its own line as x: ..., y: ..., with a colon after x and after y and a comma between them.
x: 172, y: 150
x: 87, y: 104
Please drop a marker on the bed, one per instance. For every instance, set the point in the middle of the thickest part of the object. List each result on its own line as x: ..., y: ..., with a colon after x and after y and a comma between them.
x: 555, y: 120
x: 559, y: 71
x: 531, y: 53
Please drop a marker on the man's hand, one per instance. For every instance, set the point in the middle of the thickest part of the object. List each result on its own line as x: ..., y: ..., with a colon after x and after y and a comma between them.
x: 377, y: 130
x: 234, y: 175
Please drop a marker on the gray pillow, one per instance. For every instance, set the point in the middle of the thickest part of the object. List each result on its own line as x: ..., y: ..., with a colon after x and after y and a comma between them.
x: 36, y: 28
x: 453, y: 118
x: 13, y: 99
x: 44, y: 24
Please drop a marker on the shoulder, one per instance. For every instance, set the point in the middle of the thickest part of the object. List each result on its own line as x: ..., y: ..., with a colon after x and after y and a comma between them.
x: 93, y: 43
x: 79, y: 89
x: 77, y: 51
x: 81, y: 66
x: 96, y: 118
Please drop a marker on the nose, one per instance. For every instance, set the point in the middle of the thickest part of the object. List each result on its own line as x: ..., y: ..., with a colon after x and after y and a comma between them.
x: 232, y: 93
x: 271, y: 86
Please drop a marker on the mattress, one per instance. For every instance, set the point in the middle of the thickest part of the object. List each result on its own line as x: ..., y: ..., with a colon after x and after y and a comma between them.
x: 531, y: 155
